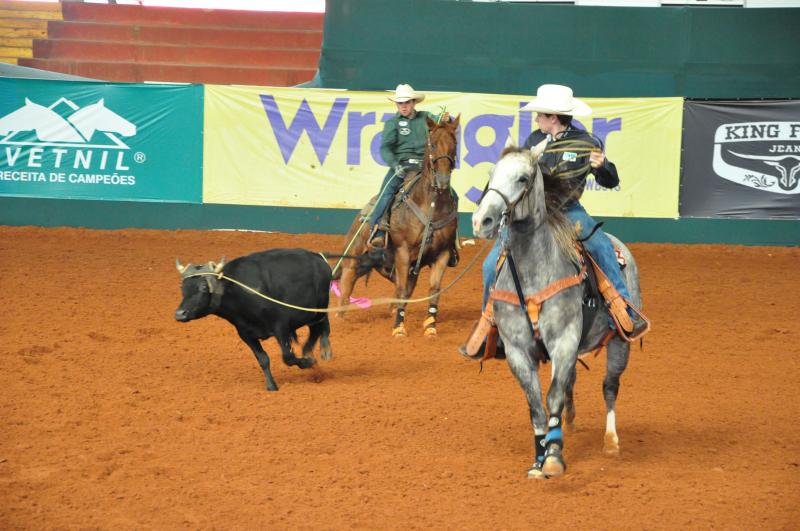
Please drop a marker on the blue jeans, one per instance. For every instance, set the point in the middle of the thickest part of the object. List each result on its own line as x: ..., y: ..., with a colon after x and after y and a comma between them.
x: 390, y: 185
x: 599, y: 245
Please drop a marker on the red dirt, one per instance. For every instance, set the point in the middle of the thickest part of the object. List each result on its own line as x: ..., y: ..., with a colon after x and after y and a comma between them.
x: 113, y: 415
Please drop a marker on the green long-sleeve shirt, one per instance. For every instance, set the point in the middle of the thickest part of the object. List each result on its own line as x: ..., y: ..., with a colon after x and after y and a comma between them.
x: 405, y: 138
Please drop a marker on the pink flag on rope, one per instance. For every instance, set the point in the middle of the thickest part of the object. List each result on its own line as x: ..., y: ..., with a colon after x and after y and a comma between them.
x: 361, y: 302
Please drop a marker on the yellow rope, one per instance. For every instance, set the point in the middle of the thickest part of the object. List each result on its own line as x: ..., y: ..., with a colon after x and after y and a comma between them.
x: 376, y: 302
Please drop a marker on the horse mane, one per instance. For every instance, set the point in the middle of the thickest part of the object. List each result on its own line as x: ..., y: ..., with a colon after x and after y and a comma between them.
x: 557, y: 192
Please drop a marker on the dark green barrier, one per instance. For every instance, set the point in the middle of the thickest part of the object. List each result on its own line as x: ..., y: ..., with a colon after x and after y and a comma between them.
x: 169, y: 216
x: 509, y: 48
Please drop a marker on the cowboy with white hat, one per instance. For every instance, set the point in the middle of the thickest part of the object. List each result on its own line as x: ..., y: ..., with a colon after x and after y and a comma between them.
x: 555, y: 106
x: 403, y: 142
x: 405, y: 93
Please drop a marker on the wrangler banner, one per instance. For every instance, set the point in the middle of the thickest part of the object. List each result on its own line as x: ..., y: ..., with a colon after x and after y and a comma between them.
x: 82, y: 140
x: 741, y: 159
x: 320, y: 148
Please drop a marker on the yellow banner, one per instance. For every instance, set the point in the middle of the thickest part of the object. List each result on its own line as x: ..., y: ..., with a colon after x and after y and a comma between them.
x: 319, y: 148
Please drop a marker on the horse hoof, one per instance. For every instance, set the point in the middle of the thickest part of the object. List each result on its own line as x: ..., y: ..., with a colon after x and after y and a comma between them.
x: 430, y: 332
x: 568, y: 426
x: 535, y: 471
x: 399, y: 331
x: 553, y: 467
x: 611, y: 445
x: 326, y: 355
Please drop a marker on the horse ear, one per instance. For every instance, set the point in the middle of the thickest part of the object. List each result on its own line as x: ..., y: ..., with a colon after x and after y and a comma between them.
x: 508, y: 147
x: 538, y: 149
x: 454, y: 123
x: 181, y: 268
x: 431, y: 123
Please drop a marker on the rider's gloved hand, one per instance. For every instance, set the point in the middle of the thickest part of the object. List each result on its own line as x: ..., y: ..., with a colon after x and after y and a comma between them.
x: 400, y: 170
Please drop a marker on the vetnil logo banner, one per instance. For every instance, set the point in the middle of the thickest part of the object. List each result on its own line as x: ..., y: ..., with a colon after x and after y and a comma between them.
x: 321, y: 148
x: 742, y: 159
x: 100, y: 141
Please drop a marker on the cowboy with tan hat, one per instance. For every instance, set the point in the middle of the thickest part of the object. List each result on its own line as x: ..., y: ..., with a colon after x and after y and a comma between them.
x: 403, y: 142
x: 555, y: 105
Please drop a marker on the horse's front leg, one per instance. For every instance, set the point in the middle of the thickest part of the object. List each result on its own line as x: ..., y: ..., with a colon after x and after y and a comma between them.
x: 526, y: 370
x: 401, y: 283
x: 616, y: 361
x: 569, y: 403
x: 564, y: 355
x: 437, y: 273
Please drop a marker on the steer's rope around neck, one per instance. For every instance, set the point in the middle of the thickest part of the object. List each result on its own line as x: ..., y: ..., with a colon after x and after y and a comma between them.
x: 346, y: 307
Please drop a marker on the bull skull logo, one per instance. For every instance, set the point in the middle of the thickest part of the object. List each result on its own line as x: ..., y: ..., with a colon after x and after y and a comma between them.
x: 788, y: 167
x: 762, y: 155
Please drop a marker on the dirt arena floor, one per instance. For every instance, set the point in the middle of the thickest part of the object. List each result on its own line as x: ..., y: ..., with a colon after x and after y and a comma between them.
x: 115, y: 416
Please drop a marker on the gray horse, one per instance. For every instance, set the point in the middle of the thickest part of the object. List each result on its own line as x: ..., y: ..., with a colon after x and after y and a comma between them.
x: 541, y: 243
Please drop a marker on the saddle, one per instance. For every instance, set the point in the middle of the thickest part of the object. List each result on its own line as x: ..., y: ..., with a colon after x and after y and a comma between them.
x: 410, y: 178
x: 401, y: 197
x: 596, y: 285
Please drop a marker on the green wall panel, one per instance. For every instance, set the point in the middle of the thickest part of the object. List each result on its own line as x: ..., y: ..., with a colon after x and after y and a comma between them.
x: 170, y: 216
x: 512, y: 48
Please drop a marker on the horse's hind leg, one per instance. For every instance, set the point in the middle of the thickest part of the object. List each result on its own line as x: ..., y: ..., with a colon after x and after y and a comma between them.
x: 346, y: 283
x: 617, y: 360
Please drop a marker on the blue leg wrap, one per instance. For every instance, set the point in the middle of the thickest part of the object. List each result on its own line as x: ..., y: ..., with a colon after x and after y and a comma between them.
x: 554, y: 435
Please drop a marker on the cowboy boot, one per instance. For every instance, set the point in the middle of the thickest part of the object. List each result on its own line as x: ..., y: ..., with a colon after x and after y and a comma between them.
x: 377, y: 239
x: 453, y: 260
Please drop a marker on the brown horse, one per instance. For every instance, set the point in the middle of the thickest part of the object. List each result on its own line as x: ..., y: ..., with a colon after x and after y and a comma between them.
x: 422, y: 228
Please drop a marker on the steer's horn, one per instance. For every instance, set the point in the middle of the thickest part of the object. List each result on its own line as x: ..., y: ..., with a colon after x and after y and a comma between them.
x: 218, y: 268
x: 180, y: 267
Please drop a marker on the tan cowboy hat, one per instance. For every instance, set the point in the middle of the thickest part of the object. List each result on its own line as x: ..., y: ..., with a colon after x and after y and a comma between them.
x: 557, y: 99
x: 405, y: 93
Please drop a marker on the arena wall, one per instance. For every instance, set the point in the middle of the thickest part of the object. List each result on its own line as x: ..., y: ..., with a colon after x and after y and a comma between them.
x: 512, y: 48
x: 696, y: 54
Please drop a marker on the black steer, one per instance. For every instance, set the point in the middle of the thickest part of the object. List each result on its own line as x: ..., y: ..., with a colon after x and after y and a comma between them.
x: 294, y: 276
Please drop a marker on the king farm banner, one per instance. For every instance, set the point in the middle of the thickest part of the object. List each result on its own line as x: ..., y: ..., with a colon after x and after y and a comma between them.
x: 320, y: 148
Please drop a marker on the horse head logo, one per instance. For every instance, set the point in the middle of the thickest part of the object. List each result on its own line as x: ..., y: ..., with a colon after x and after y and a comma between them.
x: 78, y: 128
x: 48, y: 125
x: 97, y: 117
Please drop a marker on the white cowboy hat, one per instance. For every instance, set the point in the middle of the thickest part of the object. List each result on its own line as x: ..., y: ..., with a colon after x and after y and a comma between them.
x: 405, y: 93
x: 557, y: 99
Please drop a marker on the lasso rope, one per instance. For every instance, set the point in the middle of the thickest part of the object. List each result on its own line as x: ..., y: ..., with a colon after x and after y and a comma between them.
x: 346, y: 307
x: 364, y: 222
